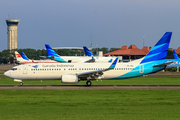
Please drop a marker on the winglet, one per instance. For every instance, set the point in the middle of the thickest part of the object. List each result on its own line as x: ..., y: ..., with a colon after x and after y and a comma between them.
x: 110, y: 60
x: 24, y: 56
x: 87, y: 51
x: 113, y: 64
x: 175, y: 55
x: 159, y: 51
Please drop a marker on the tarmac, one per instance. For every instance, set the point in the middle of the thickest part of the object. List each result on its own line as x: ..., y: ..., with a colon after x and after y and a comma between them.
x: 92, y: 87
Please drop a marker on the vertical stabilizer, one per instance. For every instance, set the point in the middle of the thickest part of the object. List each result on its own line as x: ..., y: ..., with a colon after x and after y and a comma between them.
x: 50, y: 51
x: 175, y: 55
x: 87, y: 51
x: 24, y: 56
x: 53, y: 55
x: 159, y: 51
x: 17, y: 55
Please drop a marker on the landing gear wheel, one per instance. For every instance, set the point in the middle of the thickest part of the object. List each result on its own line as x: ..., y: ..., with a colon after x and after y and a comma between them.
x: 88, y: 83
x: 21, y: 83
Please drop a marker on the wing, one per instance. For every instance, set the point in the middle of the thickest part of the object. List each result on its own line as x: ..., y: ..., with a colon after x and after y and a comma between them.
x: 97, y: 73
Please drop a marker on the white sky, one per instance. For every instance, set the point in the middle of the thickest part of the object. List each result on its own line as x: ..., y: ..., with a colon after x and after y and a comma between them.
x: 71, y: 23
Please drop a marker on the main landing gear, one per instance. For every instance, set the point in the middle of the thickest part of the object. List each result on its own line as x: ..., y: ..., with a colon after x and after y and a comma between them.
x: 88, y: 83
x: 21, y: 84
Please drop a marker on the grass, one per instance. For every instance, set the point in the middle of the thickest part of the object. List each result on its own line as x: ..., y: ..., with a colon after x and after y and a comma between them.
x: 132, y: 81
x: 90, y: 104
x: 2, y: 72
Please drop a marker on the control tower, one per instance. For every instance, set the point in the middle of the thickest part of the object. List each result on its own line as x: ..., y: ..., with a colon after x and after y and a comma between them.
x: 12, y: 33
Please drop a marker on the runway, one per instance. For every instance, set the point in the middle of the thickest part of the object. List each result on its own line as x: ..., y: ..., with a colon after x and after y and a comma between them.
x: 93, y: 87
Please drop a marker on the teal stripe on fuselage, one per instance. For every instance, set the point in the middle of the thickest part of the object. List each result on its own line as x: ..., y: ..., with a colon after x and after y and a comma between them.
x: 147, y: 68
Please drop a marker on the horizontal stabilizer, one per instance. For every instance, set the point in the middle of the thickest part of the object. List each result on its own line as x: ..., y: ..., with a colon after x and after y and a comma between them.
x: 164, y: 64
x: 90, y: 61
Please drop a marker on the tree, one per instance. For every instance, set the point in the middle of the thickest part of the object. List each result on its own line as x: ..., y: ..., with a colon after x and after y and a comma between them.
x: 113, y: 49
x: 104, y: 50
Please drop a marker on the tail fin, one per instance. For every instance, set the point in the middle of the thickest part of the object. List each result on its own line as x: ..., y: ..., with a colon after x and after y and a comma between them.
x: 24, y: 56
x: 159, y: 51
x: 17, y: 55
x: 175, y: 55
x: 19, y: 59
x: 53, y: 55
x: 87, y: 51
x: 50, y: 51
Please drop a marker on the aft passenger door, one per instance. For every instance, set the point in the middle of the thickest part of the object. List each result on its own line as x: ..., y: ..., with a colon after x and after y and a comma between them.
x: 141, y: 68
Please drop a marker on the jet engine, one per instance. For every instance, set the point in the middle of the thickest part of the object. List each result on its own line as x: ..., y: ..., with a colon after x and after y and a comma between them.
x: 69, y: 79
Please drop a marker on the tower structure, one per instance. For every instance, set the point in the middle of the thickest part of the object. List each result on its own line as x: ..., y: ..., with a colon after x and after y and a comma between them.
x: 12, y: 33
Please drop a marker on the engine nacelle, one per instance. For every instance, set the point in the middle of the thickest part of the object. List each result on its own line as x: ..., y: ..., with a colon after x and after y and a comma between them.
x: 69, y: 79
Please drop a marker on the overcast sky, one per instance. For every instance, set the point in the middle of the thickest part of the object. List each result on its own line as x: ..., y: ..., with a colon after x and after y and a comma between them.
x: 73, y: 23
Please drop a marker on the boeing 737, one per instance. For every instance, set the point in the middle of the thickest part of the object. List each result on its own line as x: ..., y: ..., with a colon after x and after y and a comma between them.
x: 97, y: 58
x: 83, y: 59
x: 24, y: 59
x: 153, y: 62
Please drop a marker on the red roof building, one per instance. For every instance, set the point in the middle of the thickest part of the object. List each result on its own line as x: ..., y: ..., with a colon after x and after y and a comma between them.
x: 177, y: 50
x: 129, y: 53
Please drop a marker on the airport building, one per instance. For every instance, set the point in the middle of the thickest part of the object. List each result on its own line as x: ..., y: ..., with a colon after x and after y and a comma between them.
x: 177, y: 50
x: 131, y: 53
x: 12, y: 33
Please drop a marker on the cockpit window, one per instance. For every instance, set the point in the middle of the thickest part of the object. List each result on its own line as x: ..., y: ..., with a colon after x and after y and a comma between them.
x: 13, y: 68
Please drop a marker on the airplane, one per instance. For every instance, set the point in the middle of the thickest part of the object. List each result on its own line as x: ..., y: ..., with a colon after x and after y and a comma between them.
x: 153, y: 62
x: 68, y: 59
x: 97, y: 58
x: 24, y: 59
x: 176, y: 60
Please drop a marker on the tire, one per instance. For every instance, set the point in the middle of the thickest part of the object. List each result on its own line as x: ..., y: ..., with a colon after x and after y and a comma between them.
x: 88, y: 83
x: 21, y: 83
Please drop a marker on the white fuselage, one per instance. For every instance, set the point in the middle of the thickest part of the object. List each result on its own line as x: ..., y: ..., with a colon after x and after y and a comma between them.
x: 81, y: 59
x: 54, y: 71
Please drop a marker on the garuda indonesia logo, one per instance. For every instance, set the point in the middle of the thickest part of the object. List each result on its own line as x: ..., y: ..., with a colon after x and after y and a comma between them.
x: 36, y: 66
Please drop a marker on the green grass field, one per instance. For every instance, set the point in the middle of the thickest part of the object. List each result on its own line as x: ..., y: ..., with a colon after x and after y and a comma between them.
x: 89, y: 104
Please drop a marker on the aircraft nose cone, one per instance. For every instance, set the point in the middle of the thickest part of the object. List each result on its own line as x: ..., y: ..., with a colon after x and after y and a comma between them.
x: 7, y: 73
